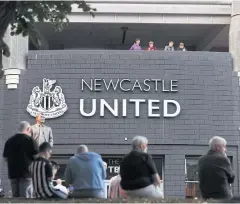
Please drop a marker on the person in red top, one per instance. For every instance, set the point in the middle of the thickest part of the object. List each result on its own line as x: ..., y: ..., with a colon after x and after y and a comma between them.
x: 151, y: 46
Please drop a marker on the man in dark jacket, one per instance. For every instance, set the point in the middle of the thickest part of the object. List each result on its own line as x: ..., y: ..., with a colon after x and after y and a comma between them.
x: 215, y: 172
x: 19, y: 152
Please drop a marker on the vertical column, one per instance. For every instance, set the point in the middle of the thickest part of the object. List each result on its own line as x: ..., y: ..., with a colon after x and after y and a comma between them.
x: 174, y: 176
x: 234, y: 35
x: 13, y: 65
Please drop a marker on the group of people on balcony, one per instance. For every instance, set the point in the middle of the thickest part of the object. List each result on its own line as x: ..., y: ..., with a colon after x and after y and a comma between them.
x: 151, y: 47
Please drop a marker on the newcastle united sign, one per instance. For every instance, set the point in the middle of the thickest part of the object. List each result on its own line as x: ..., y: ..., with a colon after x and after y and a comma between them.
x: 51, y: 103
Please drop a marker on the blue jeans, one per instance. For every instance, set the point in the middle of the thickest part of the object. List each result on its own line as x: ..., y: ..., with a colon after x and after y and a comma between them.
x: 88, y: 193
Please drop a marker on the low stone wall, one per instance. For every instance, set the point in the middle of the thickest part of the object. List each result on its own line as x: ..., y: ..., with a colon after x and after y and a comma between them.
x: 130, y: 200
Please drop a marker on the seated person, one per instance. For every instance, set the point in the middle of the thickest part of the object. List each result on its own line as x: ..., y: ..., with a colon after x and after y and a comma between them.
x: 115, y: 189
x: 42, y: 175
x: 138, y: 172
x: 85, y: 174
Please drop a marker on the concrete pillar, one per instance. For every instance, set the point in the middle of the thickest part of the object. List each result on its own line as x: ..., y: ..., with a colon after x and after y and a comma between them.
x: 234, y: 35
x: 17, y: 61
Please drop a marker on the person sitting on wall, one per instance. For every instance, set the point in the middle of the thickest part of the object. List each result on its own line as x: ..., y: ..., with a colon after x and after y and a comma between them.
x: 40, y: 132
x: 138, y: 172
x: 215, y: 171
x: 85, y: 173
x: 181, y: 47
x: 151, y: 46
x: 115, y: 190
x: 170, y: 46
x: 43, y: 174
x: 136, y: 45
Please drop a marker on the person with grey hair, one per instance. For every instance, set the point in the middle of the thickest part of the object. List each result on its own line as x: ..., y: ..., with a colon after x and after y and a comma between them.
x: 139, y: 176
x: 19, y: 152
x: 85, y: 174
x: 215, y: 171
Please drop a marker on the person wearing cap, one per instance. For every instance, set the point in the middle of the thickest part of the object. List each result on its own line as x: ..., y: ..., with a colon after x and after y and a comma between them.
x: 40, y: 132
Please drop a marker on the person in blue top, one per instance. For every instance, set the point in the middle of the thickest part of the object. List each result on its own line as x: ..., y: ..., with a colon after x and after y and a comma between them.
x: 85, y: 174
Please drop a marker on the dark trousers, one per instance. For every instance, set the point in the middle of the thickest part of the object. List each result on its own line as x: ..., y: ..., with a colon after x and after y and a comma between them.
x: 20, y: 187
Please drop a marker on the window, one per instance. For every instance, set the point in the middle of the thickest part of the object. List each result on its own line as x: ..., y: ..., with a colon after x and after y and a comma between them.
x: 191, y: 177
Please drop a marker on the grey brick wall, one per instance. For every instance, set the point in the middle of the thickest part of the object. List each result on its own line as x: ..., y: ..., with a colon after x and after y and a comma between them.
x: 208, y: 95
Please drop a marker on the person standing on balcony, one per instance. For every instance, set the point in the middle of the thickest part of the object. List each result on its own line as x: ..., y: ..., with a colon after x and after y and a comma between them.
x: 136, y: 46
x: 181, y: 47
x: 170, y: 46
x: 215, y: 171
x: 151, y: 46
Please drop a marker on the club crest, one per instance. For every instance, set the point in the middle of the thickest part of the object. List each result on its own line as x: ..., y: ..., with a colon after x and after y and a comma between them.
x: 50, y: 103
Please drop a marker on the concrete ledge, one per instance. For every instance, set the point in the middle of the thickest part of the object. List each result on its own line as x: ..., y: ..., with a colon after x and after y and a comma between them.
x: 12, y: 71
x: 91, y: 200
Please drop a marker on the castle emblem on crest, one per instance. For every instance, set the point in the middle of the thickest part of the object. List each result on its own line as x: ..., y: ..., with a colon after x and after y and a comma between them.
x: 50, y: 103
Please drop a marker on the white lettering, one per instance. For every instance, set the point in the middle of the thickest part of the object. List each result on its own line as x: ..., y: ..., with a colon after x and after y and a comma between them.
x: 137, y: 104
x: 165, y: 108
x: 116, y: 169
x: 82, y: 108
x: 146, y: 81
x: 89, y: 86
x: 96, y: 84
x: 174, y: 85
x: 163, y: 86
x: 151, y: 108
x: 136, y: 85
x: 110, y: 83
x: 156, y: 83
x: 121, y: 82
x: 111, y: 169
x: 124, y: 107
x: 104, y: 104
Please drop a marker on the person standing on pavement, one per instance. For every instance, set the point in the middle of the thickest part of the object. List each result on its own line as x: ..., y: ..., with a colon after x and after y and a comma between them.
x: 19, y: 152
x: 215, y: 171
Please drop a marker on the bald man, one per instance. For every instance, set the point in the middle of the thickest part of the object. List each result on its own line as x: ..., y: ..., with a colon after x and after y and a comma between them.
x: 40, y: 132
x: 85, y: 172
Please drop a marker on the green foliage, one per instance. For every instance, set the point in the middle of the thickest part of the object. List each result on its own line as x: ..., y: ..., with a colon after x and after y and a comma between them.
x: 22, y: 15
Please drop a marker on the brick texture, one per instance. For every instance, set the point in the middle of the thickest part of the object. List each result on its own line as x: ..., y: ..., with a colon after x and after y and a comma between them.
x: 208, y: 95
